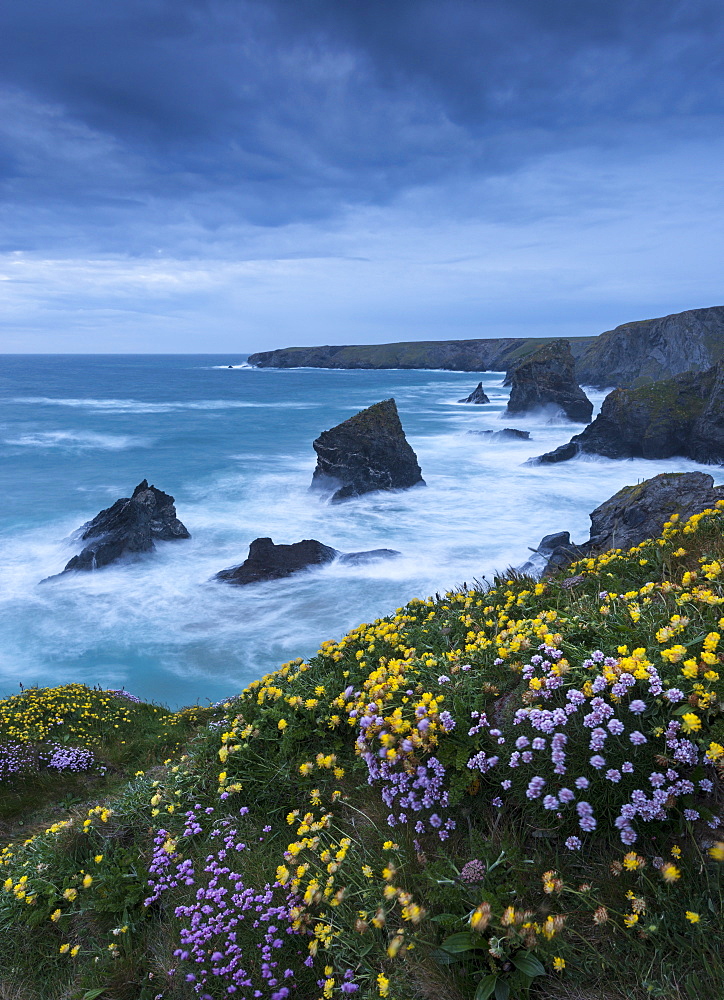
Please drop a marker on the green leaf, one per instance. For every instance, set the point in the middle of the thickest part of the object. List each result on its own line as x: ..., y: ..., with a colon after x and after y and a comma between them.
x: 444, y: 957
x: 502, y: 989
x: 464, y: 941
x: 446, y: 918
x: 486, y: 987
x: 528, y: 964
x: 93, y: 994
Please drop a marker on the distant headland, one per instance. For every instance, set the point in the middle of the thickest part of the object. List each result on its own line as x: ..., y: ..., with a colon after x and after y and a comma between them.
x: 631, y: 354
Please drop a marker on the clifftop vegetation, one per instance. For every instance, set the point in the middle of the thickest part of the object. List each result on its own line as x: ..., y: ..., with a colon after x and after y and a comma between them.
x: 496, y: 792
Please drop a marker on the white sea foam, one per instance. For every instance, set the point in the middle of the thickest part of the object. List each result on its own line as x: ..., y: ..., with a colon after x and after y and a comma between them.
x: 77, y: 440
x: 165, y: 629
x: 139, y: 406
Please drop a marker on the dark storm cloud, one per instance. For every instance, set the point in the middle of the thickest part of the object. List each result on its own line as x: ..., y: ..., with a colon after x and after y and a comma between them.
x: 123, y: 118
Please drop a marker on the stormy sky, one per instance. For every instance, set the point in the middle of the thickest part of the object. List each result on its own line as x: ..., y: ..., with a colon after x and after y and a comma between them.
x: 231, y: 175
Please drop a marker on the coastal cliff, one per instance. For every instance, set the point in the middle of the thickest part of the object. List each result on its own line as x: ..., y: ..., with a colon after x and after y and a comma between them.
x: 396, y: 789
x: 497, y: 354
x: 631, y: 354
x: 654, y: 349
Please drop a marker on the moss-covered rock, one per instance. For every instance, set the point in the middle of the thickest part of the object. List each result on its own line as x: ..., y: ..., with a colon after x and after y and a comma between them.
x: 683, y: 416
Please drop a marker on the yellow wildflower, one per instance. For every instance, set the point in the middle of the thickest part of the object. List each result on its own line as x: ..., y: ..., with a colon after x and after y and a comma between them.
x: 669, y: 872
x: 691, y: 722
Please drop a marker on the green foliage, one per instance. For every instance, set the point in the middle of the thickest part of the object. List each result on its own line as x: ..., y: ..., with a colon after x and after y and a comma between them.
x: 287, y: 771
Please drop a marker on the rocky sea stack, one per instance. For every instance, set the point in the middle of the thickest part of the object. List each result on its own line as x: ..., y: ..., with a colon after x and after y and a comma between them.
x: 547, y: 378
x: 129, y: 527
x: 632, y: 515
x: 476, y: 396
x: 365, y: 453
x: 683, y: 416
x: 267, y: 561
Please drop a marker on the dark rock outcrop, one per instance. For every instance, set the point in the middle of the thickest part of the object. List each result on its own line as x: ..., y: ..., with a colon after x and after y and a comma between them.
x: 683, y: 416
x: 629, y: 517
x: 507, y: 433
x: 476, y: 396
x: 554, y: 552
x: 547, y: 378
x: 365, y: 453
x: 129, y: 527
x: 654, y: 349
x: 639, y: 512
x: 267, y: 561
x: 495, y: 354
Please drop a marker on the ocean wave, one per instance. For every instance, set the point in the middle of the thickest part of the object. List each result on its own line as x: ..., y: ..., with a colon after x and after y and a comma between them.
x: 171, y: 406
x: 77, y: 440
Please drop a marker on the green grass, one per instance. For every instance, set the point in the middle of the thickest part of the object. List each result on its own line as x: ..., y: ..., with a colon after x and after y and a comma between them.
x: 384, y: 904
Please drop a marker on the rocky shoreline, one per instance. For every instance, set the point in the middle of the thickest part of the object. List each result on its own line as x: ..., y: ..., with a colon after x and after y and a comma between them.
x: 641, y: 351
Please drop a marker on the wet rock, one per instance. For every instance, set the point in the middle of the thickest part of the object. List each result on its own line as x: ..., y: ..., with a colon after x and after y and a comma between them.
x: 628, y: 518
x: 547, y: 378
x: 639, y: 512
x: 683, y: 415
x: 267, y: 561
x: 360, y: 558
x: 129, y: 527
x: 365, y: 453
x: 554, y: 552
x: 507, y: 433
x: 476, y: 396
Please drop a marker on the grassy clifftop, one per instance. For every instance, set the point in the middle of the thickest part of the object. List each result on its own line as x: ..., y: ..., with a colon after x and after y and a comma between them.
x: 500, y: 792
x: 496, y: 354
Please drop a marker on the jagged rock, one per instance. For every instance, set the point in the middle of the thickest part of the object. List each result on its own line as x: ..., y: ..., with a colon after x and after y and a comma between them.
x: 128, y: 527
x: 365, y: 453
x: 639, y: 512
x: 554, y: 552
x: 547, y: 378
x: 267, y: 561
x: 683, y: 415
x: 560, y: 454
x: 476, y: 396
x: 629, y: 517
x: 654, y: 349
x: 509, y: 433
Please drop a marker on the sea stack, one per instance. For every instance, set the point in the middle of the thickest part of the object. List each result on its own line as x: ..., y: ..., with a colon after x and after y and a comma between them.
x: 368, y: 452
x: 476, y: 396
x: 129, y: 527
x: 683, y: 416
x: 547, y: 378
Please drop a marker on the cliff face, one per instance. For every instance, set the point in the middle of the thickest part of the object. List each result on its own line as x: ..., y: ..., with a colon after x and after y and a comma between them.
x: 453, y: 355
x: 654, y: 349
x: 683, y: 415
x: 631, y: 354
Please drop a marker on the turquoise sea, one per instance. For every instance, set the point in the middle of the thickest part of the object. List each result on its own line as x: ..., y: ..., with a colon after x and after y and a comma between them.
x: 234, y: 447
